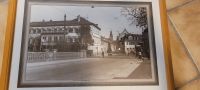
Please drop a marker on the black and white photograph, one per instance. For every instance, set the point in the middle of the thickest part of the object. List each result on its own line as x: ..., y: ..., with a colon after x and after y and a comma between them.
x: 88, y: 44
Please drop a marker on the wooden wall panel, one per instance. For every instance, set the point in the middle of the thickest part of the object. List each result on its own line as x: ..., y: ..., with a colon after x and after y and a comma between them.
x: 3, y: 20
x: 8, y: 11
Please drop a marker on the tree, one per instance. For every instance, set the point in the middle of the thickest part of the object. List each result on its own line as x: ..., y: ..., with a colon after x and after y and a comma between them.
x: 137, y: 16
x: 85, y: 35
x: 109, y: 48
x: 36, y: 44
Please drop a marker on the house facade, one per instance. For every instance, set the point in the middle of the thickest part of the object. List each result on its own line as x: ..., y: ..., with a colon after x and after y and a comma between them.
x: 128, y: 42
x: 132, y: 42
x: 95, y: 48
x: 63, y: 36
x: 108, y: 45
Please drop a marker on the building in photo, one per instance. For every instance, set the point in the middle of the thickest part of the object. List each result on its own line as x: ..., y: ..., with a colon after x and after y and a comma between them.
x: 94, y: 49
x: 129, y: 42
x: 63, y: 36
x: 102, y: 44
x: 108, y: 45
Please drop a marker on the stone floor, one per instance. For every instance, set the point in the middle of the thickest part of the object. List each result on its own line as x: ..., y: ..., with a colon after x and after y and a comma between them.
x: 184, y: 25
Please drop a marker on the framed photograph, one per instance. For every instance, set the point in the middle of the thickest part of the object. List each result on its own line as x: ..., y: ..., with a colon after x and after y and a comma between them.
x: 89, y: 44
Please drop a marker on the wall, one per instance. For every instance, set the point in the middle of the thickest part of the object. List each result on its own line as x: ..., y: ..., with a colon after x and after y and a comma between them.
x: 3, y: 18
x: 184, y: 25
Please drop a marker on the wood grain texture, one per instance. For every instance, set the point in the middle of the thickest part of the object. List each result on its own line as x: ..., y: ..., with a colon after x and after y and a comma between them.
x: 9, y: 40
x: 166, y: 43
x: 5, y: 70
x: 3, y: 20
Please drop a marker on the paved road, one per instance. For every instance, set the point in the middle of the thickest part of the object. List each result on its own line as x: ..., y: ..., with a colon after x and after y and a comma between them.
x: 142, y: 72
x: 83, y: 69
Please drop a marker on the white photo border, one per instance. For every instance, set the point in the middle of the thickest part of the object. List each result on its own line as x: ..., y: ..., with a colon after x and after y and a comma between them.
x: 158, y: 44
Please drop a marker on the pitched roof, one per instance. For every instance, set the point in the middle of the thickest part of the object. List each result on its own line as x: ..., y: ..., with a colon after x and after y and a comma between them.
x: 75, y: 22
x: 126, y: 37
x: 123, y: 33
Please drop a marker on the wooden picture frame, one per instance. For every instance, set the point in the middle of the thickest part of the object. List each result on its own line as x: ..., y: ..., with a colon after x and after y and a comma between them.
x: 9, y: 42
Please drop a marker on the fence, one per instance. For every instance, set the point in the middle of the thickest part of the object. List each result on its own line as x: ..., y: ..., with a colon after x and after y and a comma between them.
x: 51, y: 56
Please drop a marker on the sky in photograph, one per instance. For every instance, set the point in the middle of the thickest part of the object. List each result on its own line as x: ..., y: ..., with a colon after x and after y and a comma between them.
x: 107, y: 18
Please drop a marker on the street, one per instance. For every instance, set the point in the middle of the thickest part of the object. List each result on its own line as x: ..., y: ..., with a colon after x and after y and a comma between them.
x: 84, y: 69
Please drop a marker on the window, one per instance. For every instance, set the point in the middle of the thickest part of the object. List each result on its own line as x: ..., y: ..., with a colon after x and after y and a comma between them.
x: 44, y: 30
x: 50, y: 38
x: 49, y: 30
x: 60, y: 30
x: 44, y: 38
x: 130, y: 38
x: 39, y: 30
x: 70, y: 40
x: 70, y: 30
x: 131, y: 43
x: 34, y: 31
x: 55, y: 38
x: 54, y: 30
x: 76, y: 30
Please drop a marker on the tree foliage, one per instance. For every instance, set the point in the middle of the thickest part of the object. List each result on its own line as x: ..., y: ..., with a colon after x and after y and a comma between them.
x: 109, y: 48
x: 136, y: 15
x: 34, y: 46
x: 86, y: 37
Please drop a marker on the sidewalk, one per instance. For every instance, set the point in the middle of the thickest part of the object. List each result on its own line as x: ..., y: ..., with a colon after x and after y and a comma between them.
x: 115, y: 56
x: 74, y: 60
x: 54, y: 62
x: 142, y: 72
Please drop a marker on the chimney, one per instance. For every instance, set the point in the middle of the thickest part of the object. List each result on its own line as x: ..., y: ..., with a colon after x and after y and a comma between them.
x: 65, y: 21
x: 78, y: 17
x: 65, y: 17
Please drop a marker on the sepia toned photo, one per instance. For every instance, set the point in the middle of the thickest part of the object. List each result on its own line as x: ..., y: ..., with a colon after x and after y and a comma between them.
x: 87, y: 44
